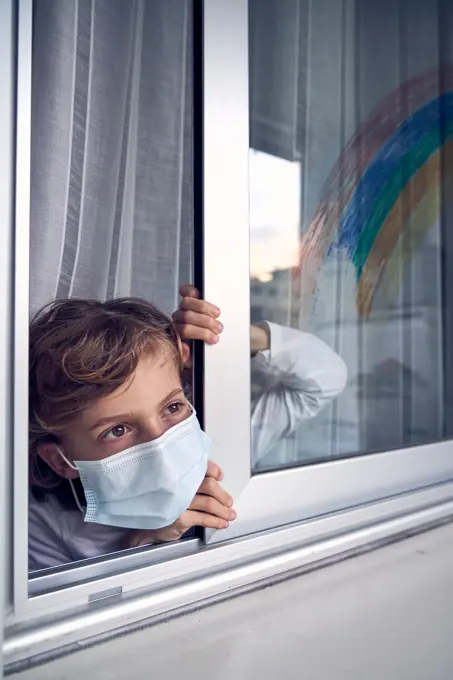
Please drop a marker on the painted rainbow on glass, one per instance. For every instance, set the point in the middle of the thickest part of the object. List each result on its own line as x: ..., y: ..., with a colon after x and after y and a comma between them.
x: 387, y: 182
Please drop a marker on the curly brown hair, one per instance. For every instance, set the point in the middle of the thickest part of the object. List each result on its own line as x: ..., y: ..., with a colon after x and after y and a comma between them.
x: 80, y: 351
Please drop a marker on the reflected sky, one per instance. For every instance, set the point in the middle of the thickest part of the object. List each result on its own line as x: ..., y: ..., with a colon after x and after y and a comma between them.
x: 275, y: 208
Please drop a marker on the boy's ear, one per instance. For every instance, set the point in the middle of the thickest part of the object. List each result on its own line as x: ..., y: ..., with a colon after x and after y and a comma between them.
x: 50, y: 454
x: 185, y: 355
x: 184, y: 352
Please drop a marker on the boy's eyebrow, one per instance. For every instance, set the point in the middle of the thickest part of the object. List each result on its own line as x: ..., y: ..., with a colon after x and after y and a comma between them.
x: 171, y: 394
x: 111, y: 419
x: 120, y: 417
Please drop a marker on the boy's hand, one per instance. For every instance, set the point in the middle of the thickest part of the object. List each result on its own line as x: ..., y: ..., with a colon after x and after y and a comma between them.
x: 196, y: 319
x: 260, y: 339
x: 211, y: 508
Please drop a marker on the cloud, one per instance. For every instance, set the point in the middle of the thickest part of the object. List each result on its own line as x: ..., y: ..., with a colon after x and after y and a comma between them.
x: 263, y: 233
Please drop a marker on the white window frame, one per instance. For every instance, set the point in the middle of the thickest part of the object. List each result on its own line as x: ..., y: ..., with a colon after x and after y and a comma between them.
x: 7, y: 113
x: 273, y: 498
x: 327, y: 509
x: 93, y: 569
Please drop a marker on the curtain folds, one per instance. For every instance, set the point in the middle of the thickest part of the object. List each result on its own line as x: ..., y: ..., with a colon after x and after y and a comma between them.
x: 111, y: 193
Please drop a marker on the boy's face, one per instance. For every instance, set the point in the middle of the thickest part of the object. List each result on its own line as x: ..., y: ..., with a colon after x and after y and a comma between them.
x: 147, y: 406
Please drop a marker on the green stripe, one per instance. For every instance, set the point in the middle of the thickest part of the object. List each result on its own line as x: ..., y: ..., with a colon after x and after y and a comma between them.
x: 410, y: 163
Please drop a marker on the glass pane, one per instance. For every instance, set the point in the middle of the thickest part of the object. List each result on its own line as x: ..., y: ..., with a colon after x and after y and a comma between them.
x: 350, y: 160
x: 111, y: 216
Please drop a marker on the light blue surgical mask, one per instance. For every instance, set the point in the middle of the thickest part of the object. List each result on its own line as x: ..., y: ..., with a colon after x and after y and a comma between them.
x: 147, y: 486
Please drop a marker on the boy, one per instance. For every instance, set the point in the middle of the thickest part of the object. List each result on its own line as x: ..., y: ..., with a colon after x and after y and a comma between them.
x: 117, y: 457
x: 105, y: 378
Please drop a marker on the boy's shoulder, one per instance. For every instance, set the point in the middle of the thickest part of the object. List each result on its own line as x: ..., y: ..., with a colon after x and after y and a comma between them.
x: 58, y: 536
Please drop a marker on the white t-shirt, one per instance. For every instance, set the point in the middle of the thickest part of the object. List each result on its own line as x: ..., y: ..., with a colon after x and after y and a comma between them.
x: 293, y: 381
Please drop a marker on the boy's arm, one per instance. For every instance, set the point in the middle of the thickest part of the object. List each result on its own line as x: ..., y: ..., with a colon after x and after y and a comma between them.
x: 296, y: 376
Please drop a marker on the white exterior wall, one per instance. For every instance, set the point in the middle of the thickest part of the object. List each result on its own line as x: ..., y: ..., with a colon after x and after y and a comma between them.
x: 386, y: 614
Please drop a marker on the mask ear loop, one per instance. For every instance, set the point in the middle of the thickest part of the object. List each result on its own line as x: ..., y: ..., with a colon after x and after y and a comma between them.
x: 71, y: 483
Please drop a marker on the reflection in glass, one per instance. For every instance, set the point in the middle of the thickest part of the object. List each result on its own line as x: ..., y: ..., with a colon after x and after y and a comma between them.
x: 350, y: 157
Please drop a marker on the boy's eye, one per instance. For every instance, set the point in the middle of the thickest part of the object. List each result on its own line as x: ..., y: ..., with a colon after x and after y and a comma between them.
x: 175, y: 408
x: 116, y: 432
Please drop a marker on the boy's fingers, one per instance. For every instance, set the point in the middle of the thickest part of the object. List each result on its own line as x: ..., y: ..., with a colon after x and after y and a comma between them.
x: 211, y: 487
x: 187, y: 290
x: 201, y: 519
x: 197, y: 333
x: 185, y: 318
x: 211, y: 506
x: 200, y: 306
x: 213, y: 470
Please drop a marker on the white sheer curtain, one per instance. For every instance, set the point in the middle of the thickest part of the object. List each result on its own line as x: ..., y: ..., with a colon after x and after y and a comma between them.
x: 111, y: 183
